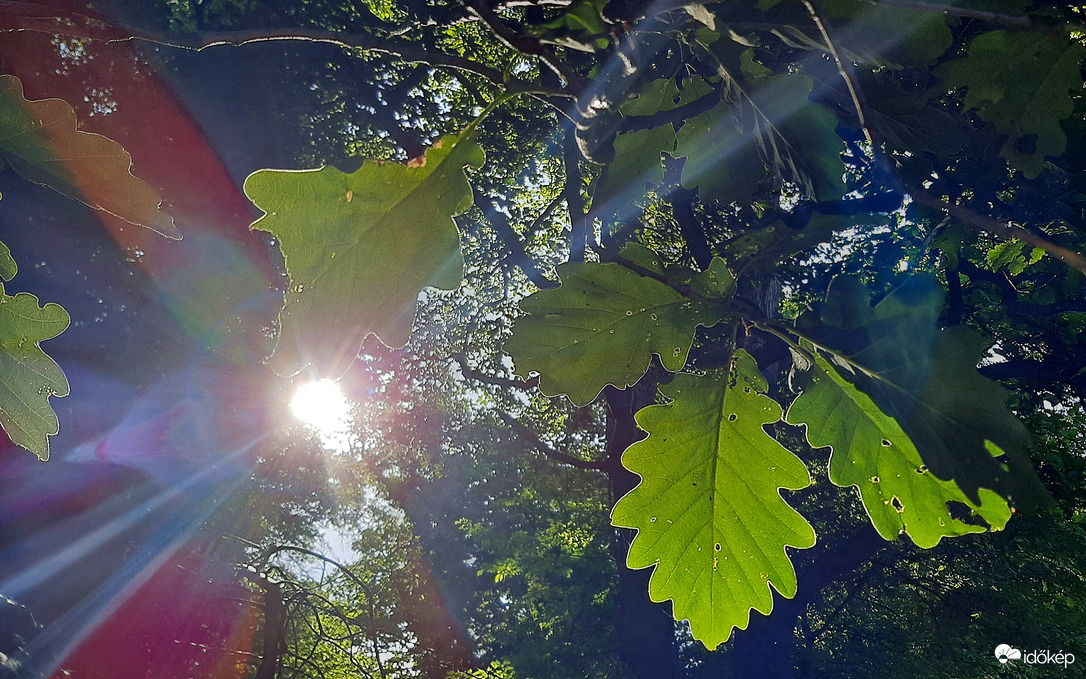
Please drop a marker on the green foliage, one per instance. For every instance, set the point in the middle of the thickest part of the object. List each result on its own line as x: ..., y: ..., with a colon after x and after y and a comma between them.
x: 760, y: 151
x: 721, y: 161
x: 369, y: 242
x: 495, y: 670
x: 1024, y: 84
x: 603, y: 325
x: 875, y: 33
x: 800, y: 135
x: 8, y: 267
x: 41, y: 141
x: 1012, y: 256
x: 708, y: 511
x: 926, y: 380
x: 871, y: 452
x: 636, y: 161
x: 28, y: 377
x: 727, y: 148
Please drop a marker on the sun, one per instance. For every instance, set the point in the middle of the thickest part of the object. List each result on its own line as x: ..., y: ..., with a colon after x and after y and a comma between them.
x: 323, y: 406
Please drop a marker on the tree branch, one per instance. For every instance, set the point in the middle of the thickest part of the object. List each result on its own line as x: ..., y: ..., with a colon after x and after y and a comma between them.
x: 1031, y: 371
x: 684, y: 112
x: 845, y: 68
x: 411, y: 53
x: 472, y: 373
x: 537, y: 443
x: 362, y: 41
x: 1021, y: 23
x: 578, y: 220
x: 274, y: 631
x: 984, y: 223
x: 527, y: 44
x: 512, y: 241
x: 682, y: 207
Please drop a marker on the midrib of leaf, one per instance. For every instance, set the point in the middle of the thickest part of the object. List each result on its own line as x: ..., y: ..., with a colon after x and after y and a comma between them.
x: 717, y: 412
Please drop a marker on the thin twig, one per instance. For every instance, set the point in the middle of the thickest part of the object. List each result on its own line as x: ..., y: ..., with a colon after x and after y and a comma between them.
x: 844, y: 67
x: 410, y: 53
x: 472, y: 373
x: 198, y: 42
x: 537, y: 443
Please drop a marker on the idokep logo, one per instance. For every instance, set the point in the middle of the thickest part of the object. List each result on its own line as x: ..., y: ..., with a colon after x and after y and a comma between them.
x: 1005, y: 653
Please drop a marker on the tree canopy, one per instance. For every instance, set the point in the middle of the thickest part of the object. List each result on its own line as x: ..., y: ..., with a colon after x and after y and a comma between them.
x: 727, y: 339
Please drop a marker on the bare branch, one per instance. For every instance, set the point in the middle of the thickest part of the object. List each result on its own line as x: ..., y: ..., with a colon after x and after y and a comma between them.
x: 844, y: 67
x: 682, y: 207
x: 412, y: 53
x: 537, y: 443
x: 512, y: 241
x: 472, y: 373
x: 362, y: 41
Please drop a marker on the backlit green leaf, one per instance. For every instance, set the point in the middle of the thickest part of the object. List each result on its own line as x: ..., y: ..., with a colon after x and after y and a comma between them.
x: 603, y: 325
x: 873, y: 453
x: 708, y: 511
x: 40, y: 140
x: 926, y: 379
x: 27, y: 376
x: 8, y: 267
x: 360, y: 247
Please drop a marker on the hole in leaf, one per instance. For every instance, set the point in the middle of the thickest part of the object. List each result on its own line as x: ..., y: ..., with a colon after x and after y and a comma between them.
x: 732, y: 417
x: 897, y: 505
x: 885, y: 443
x: 961, y: 512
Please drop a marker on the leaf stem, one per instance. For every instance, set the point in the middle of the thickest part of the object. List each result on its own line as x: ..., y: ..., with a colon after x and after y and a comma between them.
x: 844, y: 67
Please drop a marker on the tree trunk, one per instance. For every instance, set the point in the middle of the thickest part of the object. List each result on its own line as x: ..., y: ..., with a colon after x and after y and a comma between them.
x: 646, y: 631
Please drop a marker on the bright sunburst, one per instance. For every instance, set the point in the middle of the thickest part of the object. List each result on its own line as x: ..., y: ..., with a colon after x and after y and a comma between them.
x: 323, y: 406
